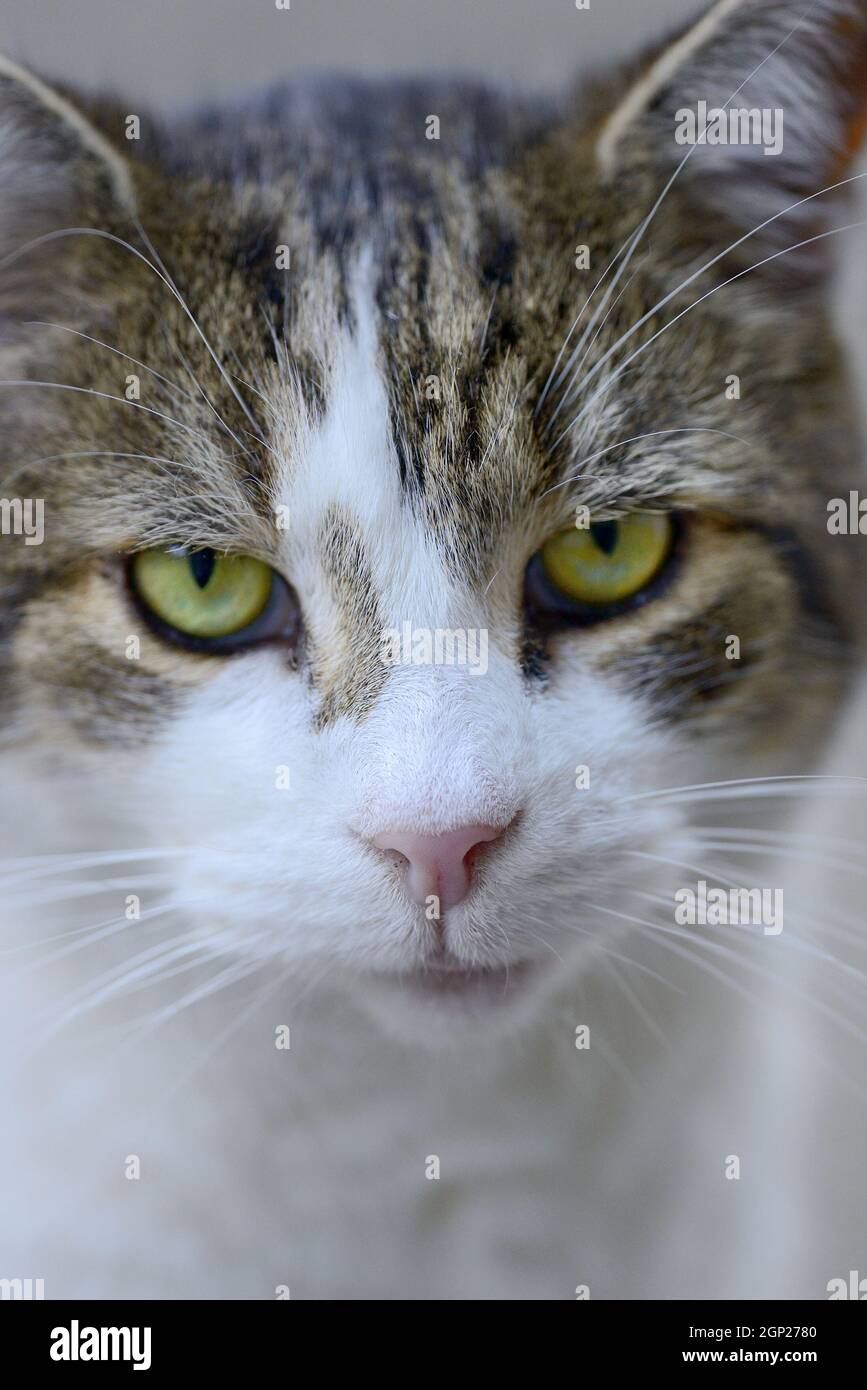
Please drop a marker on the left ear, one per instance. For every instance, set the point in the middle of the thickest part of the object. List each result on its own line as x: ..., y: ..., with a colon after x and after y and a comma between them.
x: 789, y: 81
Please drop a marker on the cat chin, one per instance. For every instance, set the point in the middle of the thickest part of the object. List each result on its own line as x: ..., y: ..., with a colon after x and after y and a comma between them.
x: 442, y: 1009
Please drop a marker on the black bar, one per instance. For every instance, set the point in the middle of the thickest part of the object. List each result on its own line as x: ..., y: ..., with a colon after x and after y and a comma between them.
x: 225, y: 1337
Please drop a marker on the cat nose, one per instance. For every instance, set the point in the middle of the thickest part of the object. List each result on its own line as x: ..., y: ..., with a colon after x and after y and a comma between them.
x: 438, y: 865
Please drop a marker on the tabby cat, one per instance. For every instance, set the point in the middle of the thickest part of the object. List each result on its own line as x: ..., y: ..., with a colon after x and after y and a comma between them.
x: 434, y: 489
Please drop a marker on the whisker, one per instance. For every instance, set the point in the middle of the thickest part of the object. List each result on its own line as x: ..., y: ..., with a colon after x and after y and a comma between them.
x: 231, y: 975
x: 76, y: 889
x: 107, y: 396
x: 147, y: 968
x: 271, y: 985
x: 632, y: 243
x: 174, y: 464
x: 86, y: 936
x: 51, y: 863
x: 845, y: 928
x: 546, y: 388
x: 603, y: 948
x: 838, y: 966
x: 64, y: 328
x: 707, y: 968
x: 209, y: 403
x: 161, y: 274
x: 176, y: 292
x: 746, y: 783
x: 633, y: 439
x: 727, y: 845
x: 257, y: 392
x: 766, y: 260
x: 647, y: 1018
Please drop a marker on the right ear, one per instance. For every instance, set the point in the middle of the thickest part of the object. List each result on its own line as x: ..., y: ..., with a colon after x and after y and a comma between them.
x: 56, y: 171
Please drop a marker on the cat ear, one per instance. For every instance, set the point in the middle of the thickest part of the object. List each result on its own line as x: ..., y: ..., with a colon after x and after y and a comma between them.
x: 773, y: 95
x: 56, y: 171
x: 48, y: 147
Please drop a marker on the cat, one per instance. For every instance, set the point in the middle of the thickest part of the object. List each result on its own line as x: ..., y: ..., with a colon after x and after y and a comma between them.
x: 336, y: 973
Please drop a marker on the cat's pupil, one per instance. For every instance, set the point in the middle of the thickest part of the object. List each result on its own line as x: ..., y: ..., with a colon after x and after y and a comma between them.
x: 202, y: 565
x: 604, y: 534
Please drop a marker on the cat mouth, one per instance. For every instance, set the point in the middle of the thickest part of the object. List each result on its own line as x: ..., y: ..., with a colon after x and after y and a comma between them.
x: 458, y: 985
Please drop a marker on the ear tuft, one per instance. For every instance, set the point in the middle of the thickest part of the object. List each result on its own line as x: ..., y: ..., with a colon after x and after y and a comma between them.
x: 40, y: 130
x: 774, y: 95
x: 57, y: 171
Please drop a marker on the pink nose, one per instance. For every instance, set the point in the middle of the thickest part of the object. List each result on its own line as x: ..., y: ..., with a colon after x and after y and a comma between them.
x: 437, y: 864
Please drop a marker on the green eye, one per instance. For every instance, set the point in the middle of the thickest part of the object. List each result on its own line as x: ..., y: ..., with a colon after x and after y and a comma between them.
x: 606, y: 563
x: 205, y: 597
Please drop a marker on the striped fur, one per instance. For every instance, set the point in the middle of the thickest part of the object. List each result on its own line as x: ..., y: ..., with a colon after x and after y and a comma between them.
x: 471, y: 288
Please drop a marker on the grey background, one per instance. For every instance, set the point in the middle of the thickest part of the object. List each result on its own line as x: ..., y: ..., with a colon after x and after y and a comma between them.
x: 183, y: 50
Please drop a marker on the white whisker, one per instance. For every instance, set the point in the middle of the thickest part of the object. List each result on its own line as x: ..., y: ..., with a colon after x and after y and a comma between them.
x: 107, y: 396
x: 632, y: 242
x: 748, y: 270
x: 76, y: 332
x: 161, y: 274
x: 743, y: 785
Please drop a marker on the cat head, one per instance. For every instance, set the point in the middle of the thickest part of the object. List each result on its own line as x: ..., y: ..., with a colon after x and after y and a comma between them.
x: 426, y: 478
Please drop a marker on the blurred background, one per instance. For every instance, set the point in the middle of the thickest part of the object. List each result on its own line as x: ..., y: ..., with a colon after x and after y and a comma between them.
x: 183, y: 50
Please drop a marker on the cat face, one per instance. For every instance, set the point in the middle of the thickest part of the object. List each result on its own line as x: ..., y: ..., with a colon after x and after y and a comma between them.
x: 382, y: 582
